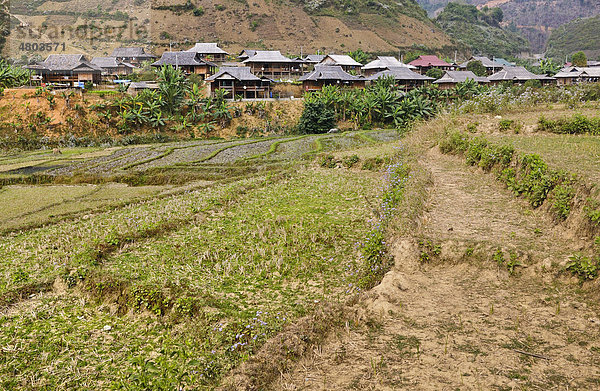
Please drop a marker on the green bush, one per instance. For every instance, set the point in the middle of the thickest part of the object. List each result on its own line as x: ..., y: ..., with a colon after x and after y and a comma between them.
x: 562, y: 198
x: 584, y: 267
x: 578, y: 124
x: 316, y: 118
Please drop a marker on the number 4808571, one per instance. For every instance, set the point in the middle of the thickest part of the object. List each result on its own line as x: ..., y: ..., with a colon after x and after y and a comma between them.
x: 42, y: 47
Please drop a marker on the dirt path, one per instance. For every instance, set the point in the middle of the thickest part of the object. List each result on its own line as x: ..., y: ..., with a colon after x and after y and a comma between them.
x: 456, y: 323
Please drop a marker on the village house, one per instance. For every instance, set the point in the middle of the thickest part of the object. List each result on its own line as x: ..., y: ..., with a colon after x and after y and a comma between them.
x: 70, y: 70
x: 347, y: 63
x: 425, y: 63
x: 272, y: 64
x: 189, y: 62
x: 490, y: 66
x: 326, y: 75
x: 210, y: 52
x: 575, y: 75
x: 246, y: 54
x: 518, y: 75
x: 404, y: 77
x: 239, y: 81
x: 133, y: 55
x: 383, y: 63
x: 452, y: 78
x: 112, y: 68
x: 137, y: 87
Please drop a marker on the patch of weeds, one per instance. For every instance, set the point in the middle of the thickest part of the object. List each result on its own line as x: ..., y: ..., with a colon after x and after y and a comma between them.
x: 350, y: 161
x: 328, y: 161
x: 506, y: 124
x: 429, y: 250
x: 584, y: 267
x: 472, y: 127
x: 149, y: 298
x: 469, y: 251
x: 407, y: 345
x: 513, y: 262
x: 562, y: 198
x: 592, y: 211
x: 456, y: 142
x: 498, y: 257
x: 373, y: 164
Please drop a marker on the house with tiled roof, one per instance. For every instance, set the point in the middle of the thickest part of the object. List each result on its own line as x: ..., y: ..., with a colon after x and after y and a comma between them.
x: 575, y: 75
x: 452, y: 78
x: 210, y: 52
x: 404, y: 77
x: 425, y: 63
x: 518, y: 75
x: 326, y: 75
x: 189, y: 62
x: 383, y: 63
x: 347, y: 63
x: 491, y: 66
x: 133, y: 55
x: 240, y: 81
x: 272, y: 64
x: 111, y: 67
x: 70, y: 70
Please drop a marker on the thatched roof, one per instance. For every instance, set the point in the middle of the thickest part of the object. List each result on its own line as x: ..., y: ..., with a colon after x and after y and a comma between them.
x: 517, y: 74
x: 207, y: 48
x: 181, y: 59
x: 237, y: 73
x: 460, y: 77
x: 429, y: 61
x: 330, y: 72
x: 401, y: 73
x: 267, y: 56
x: 385, y: 62
x: 340, y: 59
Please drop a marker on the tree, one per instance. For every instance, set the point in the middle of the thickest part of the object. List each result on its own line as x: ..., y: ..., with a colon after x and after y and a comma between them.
x: 173, y: 87
x: 436, y: 73
x: 316, y: 118
x: 359, y: 56
x: 579, y: 59
x: 549, y: 67
x: 477, y: 68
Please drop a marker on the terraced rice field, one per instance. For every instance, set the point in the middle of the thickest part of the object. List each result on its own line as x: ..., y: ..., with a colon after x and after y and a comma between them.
x: 109, y: 286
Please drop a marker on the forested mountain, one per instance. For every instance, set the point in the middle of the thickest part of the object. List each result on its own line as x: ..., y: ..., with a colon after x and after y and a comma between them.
x: 579, y: 34
x: 481, y: 30
x: 533, y: 18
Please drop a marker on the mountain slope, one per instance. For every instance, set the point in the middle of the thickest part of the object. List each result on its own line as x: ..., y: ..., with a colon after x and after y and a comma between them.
x: 579, y: 34
x: 290, y: 25
x: 535, y: 19
x: 481, y: 30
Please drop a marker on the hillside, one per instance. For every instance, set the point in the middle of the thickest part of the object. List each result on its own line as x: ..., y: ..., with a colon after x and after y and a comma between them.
x: 481, y: 30
x: 534, y: 19
x: 289, y: 25
x: 579, y: 34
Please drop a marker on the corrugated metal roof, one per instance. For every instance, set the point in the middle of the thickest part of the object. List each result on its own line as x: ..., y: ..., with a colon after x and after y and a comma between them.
x: 207, y: 48
x: 400, y: 73
x: 578, y: 72
x: 238, y: 73
x: 330, y: 72
x: 386, y: 62
x: 267, y: 56
x: 517, y: 74
x: 460, y: 77
x: 314, y: 58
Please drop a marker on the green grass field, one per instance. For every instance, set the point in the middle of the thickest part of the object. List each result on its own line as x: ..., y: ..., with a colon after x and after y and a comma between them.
x: 110, y: 286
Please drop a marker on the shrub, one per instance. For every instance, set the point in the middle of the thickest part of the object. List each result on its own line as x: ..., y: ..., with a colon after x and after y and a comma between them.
x: 350, y: 161
x: 316, y: 118
x: 584, y: 267
x: 506, y: 124
x: 562, y: 199
x: 455, y: 143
